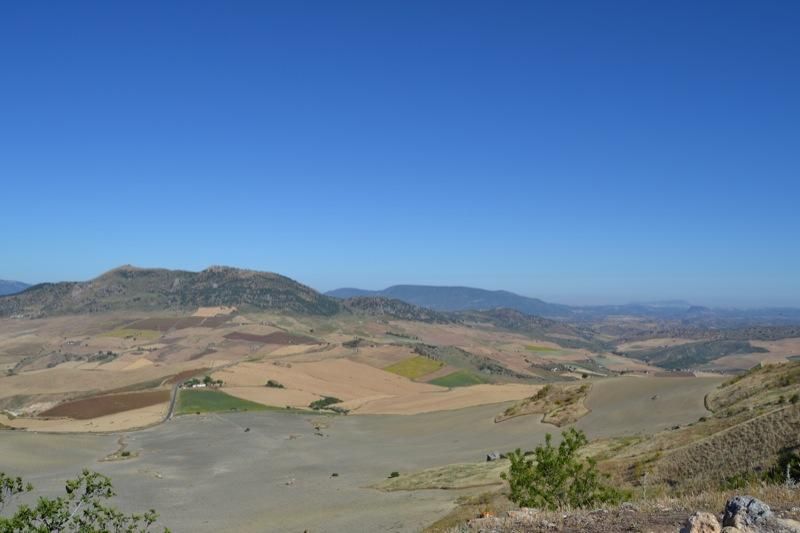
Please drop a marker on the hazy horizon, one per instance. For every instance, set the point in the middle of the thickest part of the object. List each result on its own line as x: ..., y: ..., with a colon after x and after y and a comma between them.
x: 586, y: 299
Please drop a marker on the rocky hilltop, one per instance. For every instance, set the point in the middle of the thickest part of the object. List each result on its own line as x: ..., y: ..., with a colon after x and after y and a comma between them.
x: 133, y: 288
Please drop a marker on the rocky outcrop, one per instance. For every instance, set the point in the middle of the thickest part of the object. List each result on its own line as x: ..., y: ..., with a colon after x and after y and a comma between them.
x: 745, y: 514
x: 702, y: 522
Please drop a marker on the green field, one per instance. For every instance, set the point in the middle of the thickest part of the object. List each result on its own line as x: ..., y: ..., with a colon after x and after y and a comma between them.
x: 536, y: 348
x: 210, y: 401
x: 415, y: 367
x: 460, y: 378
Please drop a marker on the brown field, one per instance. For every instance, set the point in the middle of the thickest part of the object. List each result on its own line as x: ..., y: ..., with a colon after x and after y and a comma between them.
x: 123, y: 421
x: 273, y: 397
x: 166, y: 324
x: 107, y: 405
x: 623, y: 364
x: 340, y: 378
x: 186, y: 374
x: 784, y: 347
x: 214, y: 311
x: 441, y: 400
x: 278, y: 337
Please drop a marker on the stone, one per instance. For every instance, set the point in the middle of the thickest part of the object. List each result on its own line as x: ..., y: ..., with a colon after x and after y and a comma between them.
x: 746, y: 512
x: 702, y: 522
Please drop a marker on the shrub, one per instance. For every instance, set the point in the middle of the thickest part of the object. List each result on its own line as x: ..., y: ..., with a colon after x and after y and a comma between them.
x: 795, y: 398
x: 394, y: 474
x: 787, y: 465
x: 542, y: 393
x: 324, y: 402
x: 274, y: 384
x: 81, y: 509
x: 556, y: 477
x: 126, y: 453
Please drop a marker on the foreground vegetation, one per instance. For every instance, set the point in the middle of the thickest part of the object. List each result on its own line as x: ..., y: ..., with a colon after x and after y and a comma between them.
x: 81, y: 509
x: 557, y: 478
x: 747, y: 444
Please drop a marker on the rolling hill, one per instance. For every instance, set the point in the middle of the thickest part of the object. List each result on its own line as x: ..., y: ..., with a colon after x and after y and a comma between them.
x: 11, y: 287
x: 132, y: 288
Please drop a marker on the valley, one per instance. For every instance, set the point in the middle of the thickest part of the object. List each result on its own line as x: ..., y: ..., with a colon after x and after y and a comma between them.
x: 300, y: 411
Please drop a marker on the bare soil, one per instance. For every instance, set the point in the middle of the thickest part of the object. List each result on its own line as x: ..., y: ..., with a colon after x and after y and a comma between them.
x: 278, y: 337
x: 107, y: 405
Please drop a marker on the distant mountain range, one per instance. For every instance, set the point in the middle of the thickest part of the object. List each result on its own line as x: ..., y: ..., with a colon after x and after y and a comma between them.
x: 461, y: 299
x: 11, y: 287
x: 156, y: 289
x: 455, y: 299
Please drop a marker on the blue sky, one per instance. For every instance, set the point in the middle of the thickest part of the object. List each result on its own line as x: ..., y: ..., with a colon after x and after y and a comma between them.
x: 583, y: 152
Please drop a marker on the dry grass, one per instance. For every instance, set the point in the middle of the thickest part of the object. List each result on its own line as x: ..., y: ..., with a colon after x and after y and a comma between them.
x: 760, y: 386
x: 136, y: 334
x: 659, y: 514
x: 745, y: 448
x: 455, y: 476
x: 560, y: 404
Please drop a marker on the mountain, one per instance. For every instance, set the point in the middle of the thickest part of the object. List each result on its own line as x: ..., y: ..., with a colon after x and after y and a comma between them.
x: 460, y: 299
x: 132, y: 288
x: 11, y: 287
x: 452, y: 299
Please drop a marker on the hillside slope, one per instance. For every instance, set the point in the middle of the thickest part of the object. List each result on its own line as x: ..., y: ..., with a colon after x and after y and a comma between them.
x: 395, y: 309
x: 754, y: 419
x: 132, y: 288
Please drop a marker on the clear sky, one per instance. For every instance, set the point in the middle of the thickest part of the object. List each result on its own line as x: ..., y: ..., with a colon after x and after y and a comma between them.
x: 578, y: 151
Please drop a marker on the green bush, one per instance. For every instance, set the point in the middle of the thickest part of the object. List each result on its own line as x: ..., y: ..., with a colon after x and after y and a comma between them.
x: 788, y: 463
x: 795, y: 398
x: 394, y: 474
x: 81, y: 509
x: 324, y: 402
x: 274, y: 384
x: 556, y: 477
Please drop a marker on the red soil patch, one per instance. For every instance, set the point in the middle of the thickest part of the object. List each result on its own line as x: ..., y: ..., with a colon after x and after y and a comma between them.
x: 279, y: 337
x: 207, y: 351
x: 107, y: 405
x: 186, y: 374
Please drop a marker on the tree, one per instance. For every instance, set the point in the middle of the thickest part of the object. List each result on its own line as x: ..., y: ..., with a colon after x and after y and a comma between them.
x: 556, y: 477
x: 81, y: 509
